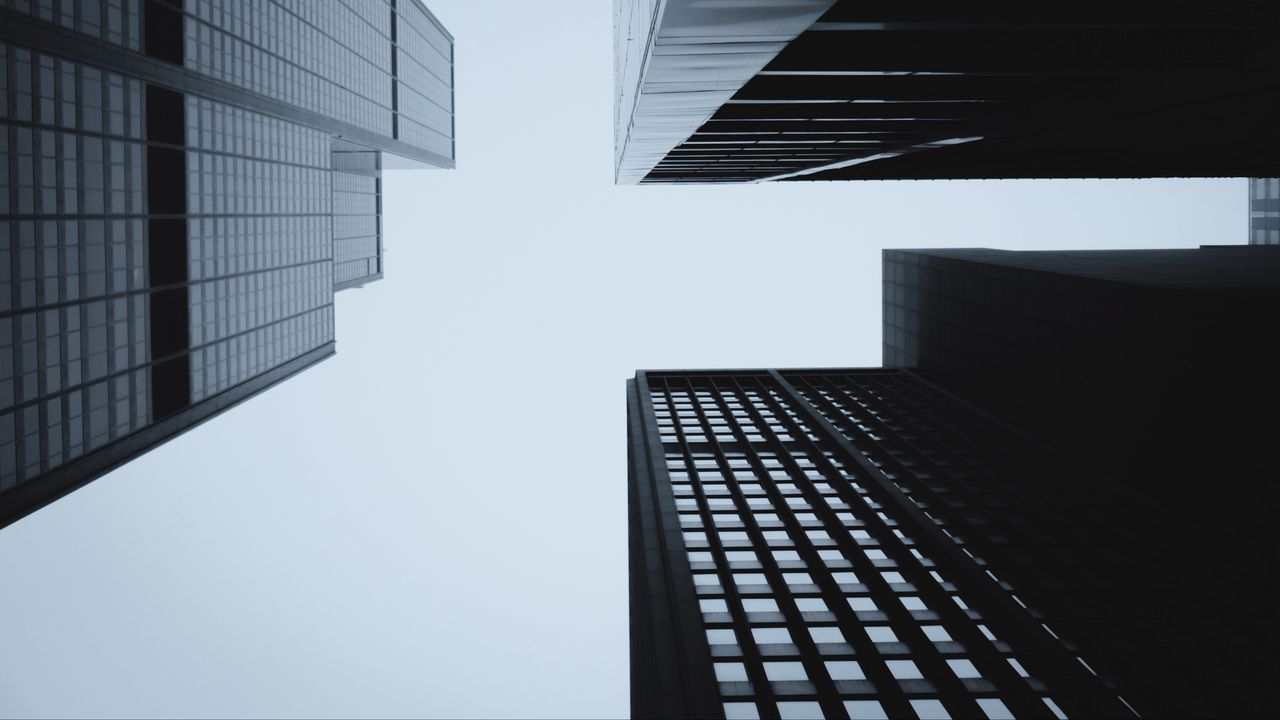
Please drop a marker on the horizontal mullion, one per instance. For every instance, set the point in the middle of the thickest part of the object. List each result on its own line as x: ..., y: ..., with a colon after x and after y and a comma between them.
x: 921, y: 87
x: 844, y: 110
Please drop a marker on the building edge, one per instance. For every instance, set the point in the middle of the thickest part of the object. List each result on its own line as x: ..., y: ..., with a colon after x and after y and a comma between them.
x: 27, y: 498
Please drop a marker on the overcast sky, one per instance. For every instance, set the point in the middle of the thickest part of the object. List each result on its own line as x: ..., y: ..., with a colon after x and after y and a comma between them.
x: 433, y: 523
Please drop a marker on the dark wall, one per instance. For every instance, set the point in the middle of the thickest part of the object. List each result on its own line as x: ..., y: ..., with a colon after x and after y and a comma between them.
x: 1157, y: 380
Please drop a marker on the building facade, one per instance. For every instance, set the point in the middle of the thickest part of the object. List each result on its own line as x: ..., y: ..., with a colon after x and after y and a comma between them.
x: 847, y: 89
x: 1152, y: 370
x: 1045, y: 338
x: 1264, y: 211
x: 846, y: 543
x: 187, y: 183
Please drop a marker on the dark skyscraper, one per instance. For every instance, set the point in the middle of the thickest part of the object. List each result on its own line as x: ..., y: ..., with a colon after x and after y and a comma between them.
x: 843, y: 543
x: 908, y: 89
x: 1170, y: 342
x: 1264, y: 211
x: 1153, y: 370
x: 864, y: 544
x: 186, y: 185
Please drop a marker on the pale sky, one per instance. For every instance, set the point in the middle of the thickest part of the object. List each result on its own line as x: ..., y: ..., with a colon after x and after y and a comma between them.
x: 433, y: 522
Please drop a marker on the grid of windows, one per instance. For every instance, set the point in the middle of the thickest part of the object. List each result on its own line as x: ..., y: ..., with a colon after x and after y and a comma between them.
x: 1101, y: 355
x: 163, y: 242
x: 114, y: 21
x: 1264, y: 211
x: 73, y: 310
x: 327, y: 58
x: 356, y: 233
x: 816, y: 598
x: 260, y: 243
x: 961, y: 471
x: 221, y: 365
x: 424, y: 79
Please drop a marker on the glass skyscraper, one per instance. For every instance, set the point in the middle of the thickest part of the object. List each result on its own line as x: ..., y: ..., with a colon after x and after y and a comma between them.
x: 187, y: 184
x: 794, y: 90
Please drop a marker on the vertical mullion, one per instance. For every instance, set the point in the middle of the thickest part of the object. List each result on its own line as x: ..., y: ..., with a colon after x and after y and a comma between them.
x: 940, y: 506
x: 933, y: 665
x: 994, y: 666
x: 762, y: 693
x: 1026, y: 452
x: 883, y: 388
x: 692, y: 675
x: 910, y: 384
x: 867, y: 655
x: 809, y: 657
x: 1084, y: 693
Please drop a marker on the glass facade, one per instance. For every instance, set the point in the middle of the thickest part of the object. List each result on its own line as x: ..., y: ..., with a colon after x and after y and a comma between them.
x: 803, y: 90
x: 172, y: 233
x: 1264, y: 211
x: 811, y: 566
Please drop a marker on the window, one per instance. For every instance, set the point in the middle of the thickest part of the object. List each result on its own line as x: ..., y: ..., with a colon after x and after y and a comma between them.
x: 721, y: 637
x: 811, y: 605
x: 939, y: 634
x: 1053, y: 707
x: 771, y: 636
x: 994, y: 709
x: 913, y: 603
x: 881, y: 634
x: 731, y: 672
x: 785, y: 671
x: 807, y: 710
x: 862, y: 604
x: 904, y: 670
x: 864, y: 710
x: 930, y: 710
x: 963, y: 669
x: 760, y: 605
x: 826, y: 634
x: 845, y: 670
x: 741, y: 711
x: 713, y: 605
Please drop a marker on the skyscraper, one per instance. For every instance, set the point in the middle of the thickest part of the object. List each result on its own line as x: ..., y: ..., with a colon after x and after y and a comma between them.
x: 1264, y: 211
x: 816, y: 544
x: 864, y: 544
x: 1152, y: 371
x: 186, y: 186
x: 847, y: 89
x: 1171, y: 342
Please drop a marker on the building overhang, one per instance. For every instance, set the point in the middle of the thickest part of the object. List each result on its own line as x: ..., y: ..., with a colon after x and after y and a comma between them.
x: 678, y: 61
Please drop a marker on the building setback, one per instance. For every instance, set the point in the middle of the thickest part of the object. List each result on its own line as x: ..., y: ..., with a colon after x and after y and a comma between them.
x: 1153, y: 369
x: 849, y: 89
x: 845, y: 543
x: 186, y: 186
